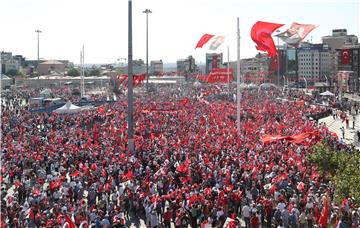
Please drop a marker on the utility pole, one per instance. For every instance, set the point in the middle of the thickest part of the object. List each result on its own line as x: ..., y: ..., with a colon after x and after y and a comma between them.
x: 147, y: 11
x: 228, y: 70
x: 238, y: 94
x: 38, y: 59
x: 130, y: 85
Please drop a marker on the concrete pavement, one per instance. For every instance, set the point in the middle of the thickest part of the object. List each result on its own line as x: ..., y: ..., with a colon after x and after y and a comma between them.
x: 350, y: 133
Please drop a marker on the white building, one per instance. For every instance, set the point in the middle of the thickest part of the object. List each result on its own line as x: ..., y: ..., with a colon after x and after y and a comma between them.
x: 339, y: 38
x: 9, y: 63
x: 254, y: 65
x: 12, y: 64
x: 156, y: 67
x: 314, y: 62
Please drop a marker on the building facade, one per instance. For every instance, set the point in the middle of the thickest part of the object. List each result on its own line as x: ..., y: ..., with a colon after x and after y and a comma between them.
x: 186, y: 66
x: 348, y: 60
x: 255, y: 70
x: 50, y: 66
x: 314, y: 62
x: 339, y: 38
x: 156, y: 67
x: 213, y: 60
x: 9, y: 63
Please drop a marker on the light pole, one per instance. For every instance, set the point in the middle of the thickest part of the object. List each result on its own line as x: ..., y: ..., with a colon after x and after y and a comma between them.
x: 147, y: 11
x: 327, y: 80
x: 306, y: 85
x: 130, y: 85
x: 238, y: 80
x: 278, y: 59
x: 38, y: 59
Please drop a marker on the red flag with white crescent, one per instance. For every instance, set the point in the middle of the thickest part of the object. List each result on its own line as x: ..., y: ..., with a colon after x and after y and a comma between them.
x: 261, y: 35
x: 345, y: 56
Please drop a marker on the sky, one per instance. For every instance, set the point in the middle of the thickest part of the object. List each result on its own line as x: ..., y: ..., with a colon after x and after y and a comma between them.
x: 175, y: 26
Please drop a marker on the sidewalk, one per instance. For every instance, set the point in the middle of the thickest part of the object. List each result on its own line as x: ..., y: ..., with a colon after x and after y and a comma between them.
x: 335, y: 125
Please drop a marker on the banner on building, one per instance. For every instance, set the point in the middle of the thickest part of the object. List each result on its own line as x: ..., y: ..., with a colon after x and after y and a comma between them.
x: 218, y: 75
x: 345, y: 56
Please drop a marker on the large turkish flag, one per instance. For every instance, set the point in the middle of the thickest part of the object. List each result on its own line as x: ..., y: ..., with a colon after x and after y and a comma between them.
x: 345, y: 56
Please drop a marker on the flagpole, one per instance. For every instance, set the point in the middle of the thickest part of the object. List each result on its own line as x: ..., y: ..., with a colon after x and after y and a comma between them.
x: 130, y: 117
x: 81, y: 75
x: 228, y: 70
x: 83, y: 63
x: 278, y: 60
x: 238, y: 94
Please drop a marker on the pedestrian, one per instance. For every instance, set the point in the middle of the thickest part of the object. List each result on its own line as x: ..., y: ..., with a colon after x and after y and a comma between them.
x: 354, y: 121
x: 246, y: 215
x: 342, y: 129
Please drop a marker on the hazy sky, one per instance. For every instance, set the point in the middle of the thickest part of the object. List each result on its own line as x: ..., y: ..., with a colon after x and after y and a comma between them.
x: 175, y: 26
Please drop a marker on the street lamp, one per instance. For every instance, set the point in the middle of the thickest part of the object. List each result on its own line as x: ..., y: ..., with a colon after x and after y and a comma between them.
x: 38, y: 60
x: 306, y: 85
x: 130, y: 85
x: 147, y: 11
x: 327, y: 80
x: 278, y: 59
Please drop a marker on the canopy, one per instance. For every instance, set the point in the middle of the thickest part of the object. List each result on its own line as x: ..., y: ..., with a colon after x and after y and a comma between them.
x: 243, y: 85
x: 68, y: 108
x: 267, y: 86
x: 252, y: 86
x: 45, y: 93
x: 327, y: 93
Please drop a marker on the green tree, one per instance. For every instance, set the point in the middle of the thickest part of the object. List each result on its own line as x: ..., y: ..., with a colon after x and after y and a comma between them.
x: 94, y: 72
x: 13, y: 72
x: 342, y: 167
x: 73, y: 72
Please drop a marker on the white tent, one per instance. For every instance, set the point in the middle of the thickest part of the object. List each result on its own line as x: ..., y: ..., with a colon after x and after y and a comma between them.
x: 46, y: 93
x: 327, y: 93
x: 68, y: 108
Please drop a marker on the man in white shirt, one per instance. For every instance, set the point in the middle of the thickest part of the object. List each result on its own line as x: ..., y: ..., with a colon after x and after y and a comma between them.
x: 246, y: 215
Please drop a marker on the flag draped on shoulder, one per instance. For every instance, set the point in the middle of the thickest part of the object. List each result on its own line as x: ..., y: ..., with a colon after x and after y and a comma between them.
x: 203, y: 40
x: 261, y: 35
x: 296, y: 33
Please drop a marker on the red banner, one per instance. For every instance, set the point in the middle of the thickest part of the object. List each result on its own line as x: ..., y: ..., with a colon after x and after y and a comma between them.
x: 137, y: 79
x: 218, y: 75
x: 299, y: 138
x: 345, y: 56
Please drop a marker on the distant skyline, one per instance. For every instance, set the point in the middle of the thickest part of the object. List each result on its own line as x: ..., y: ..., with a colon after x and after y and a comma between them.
x: 175, y: 26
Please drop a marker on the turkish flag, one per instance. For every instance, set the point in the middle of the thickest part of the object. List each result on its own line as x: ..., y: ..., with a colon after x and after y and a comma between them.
x: 184, y: 101
x: 76, y: 173
x: 323, y: 219
x: 182, y: 168
x: 261, y: 35
x: 203, y: 40
x: 129, y: 175
x: 69, y: 222
x: 274, y: 63
x: 55, y: 184
x: 345, y: 56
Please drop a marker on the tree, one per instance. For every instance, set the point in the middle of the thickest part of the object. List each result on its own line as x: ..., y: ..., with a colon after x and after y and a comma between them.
x: 94, y: 72
x: 73, y: 72
x: 341, y: 166
x: 13, y: 72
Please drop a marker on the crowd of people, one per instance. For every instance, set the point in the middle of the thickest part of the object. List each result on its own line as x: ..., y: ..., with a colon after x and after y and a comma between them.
x: 191, y: 166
